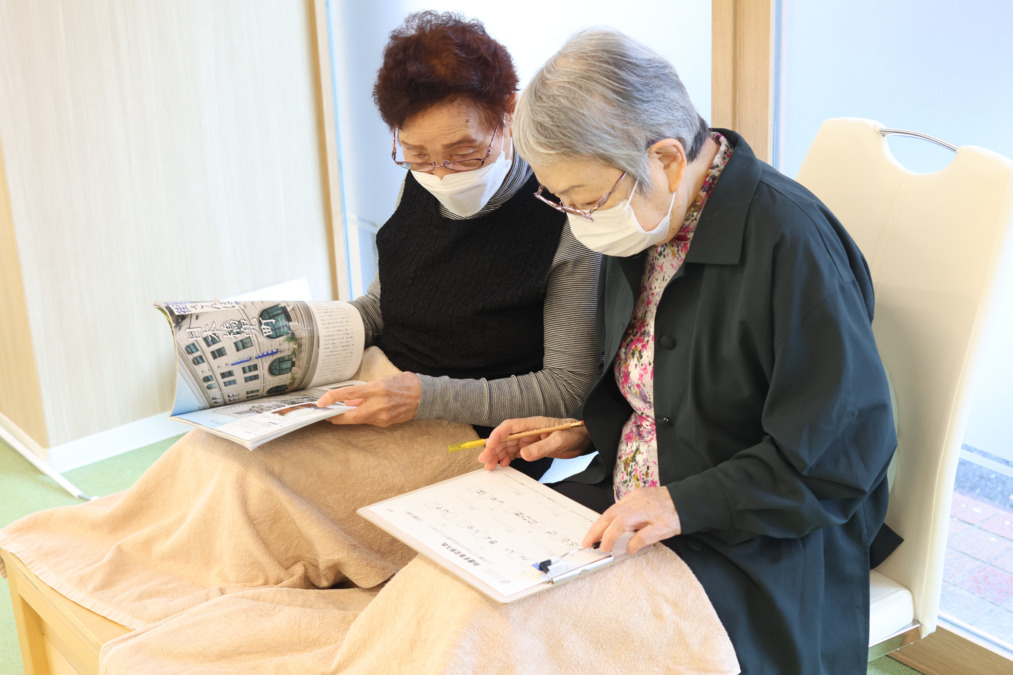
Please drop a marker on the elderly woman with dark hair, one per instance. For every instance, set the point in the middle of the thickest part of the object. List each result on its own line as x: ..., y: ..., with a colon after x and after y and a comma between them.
x: 743, y: 415
x: 487, y: 302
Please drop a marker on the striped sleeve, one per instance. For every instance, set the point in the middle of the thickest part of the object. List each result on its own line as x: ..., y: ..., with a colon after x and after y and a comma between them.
x: 369, y: 307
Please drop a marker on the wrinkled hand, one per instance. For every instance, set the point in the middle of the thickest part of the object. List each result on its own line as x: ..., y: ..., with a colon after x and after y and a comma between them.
x: 381, y: 403
x: 562, y: 444
x: 647, y: 511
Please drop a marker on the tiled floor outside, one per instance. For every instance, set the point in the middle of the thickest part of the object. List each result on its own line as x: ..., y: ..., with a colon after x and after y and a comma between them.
x: 978, y: 574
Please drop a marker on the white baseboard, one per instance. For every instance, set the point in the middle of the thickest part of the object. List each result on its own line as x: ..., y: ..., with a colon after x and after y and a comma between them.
x: 94, y: 448
x: 114, y: 442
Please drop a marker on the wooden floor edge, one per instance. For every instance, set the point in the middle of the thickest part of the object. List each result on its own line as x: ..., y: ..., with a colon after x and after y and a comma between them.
x: 946, y: 652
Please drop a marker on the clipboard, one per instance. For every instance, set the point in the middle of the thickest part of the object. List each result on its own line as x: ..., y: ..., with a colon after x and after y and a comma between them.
x: 502, y: 532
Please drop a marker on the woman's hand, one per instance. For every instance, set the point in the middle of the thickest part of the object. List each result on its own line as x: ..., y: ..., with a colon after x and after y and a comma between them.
x: 647, y: 511
x: 382, y: 403
x: 499, y: 451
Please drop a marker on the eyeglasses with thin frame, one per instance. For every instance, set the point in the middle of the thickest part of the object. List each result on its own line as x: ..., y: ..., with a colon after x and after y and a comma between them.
x: 559, y: 206
x: 468, y: 164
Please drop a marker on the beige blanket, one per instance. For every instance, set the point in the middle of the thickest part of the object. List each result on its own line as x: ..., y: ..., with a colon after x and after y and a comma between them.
x: 226, y: 560
x: 647, y: 614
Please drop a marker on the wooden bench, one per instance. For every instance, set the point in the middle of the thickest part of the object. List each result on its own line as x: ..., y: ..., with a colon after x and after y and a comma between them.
x: 56, y: 635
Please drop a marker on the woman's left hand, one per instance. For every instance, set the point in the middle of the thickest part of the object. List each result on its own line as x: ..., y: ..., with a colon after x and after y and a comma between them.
x: 381, y: 403
x: 500, y: 449
x: 647, y: 511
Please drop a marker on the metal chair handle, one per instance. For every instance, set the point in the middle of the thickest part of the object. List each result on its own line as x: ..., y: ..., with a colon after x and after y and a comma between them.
x: 915, y: 134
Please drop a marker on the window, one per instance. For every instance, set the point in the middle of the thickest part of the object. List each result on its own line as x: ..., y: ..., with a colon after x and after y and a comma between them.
x: 213, y: 385
x: 250, y: 369
x: 281, y: 366
x: 275, y: 321
x: 197, y: 360
x: 251, y: 378
x: 245, y: 343
x: 226, y: 373
x: 253, y: 392
x: 229, y: 383
x: 211, y: 339
x: 192, y: 348
x: 218, y: 353
x: 280, y: 389
x: 209, y: 378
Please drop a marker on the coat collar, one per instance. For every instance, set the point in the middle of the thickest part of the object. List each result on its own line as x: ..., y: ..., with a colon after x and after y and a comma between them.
x: 718, y: 237
x: 719, y: 233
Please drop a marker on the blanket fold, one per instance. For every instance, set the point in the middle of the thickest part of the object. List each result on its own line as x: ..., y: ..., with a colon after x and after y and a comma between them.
x: 647, y: 614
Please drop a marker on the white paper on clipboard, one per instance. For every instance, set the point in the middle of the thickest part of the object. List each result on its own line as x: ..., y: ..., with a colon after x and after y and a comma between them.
x: 492, y: 528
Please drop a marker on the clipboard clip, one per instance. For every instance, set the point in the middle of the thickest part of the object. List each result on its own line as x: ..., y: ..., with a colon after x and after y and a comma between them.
x: 573, y: 563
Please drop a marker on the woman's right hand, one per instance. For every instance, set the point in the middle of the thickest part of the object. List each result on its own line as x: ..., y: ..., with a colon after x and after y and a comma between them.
x: 500, y: 451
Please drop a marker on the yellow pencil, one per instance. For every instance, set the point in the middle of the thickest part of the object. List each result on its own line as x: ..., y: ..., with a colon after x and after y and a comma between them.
x: 520, y: 434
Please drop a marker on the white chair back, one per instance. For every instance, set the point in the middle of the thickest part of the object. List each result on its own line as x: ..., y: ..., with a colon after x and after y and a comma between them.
x: 933, y: 243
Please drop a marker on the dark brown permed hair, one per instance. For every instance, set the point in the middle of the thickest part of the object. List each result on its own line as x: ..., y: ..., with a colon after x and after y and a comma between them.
x: 438, y: 57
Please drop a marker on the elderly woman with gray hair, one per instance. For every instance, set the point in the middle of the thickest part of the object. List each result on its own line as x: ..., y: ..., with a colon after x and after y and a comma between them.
x: 742, y: 417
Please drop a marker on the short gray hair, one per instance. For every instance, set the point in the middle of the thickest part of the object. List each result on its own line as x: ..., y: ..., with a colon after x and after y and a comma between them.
x: 606, y: 97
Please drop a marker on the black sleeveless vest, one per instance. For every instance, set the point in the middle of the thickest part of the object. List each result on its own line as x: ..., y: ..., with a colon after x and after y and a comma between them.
x: 464, y: 298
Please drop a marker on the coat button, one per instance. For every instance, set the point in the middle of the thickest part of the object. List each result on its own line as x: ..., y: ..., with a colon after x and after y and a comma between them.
x: 666, y: 342
x: 667, y: 421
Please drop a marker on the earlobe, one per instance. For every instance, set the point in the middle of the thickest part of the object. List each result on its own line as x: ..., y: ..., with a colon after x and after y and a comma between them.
x: 675, y: 175
x: 676, y: 170
x: 673, y: 160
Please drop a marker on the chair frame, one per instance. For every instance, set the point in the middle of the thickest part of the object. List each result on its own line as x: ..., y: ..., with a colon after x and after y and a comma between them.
x: 930, y: 421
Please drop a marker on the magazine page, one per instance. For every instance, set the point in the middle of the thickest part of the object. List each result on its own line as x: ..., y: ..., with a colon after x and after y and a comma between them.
x: 230, y: 352
x: 340, y: 336
x: 255, y: 422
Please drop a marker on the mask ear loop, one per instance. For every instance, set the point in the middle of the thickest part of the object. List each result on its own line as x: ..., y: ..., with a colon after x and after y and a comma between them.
x: 629, y: 200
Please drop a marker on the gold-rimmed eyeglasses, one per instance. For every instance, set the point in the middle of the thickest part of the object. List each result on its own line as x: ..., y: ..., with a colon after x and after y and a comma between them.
x: 559, y: 206
x: 465, y: 164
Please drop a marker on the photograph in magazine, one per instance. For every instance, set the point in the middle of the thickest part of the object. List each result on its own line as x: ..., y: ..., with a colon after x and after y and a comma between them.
x: 252, y: 371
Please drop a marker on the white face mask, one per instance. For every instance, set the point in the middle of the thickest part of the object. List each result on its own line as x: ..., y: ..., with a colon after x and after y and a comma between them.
x: 617, y: 232
x: 466, y: 192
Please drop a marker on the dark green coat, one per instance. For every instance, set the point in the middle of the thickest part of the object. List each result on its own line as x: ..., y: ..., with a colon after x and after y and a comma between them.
x: 773, y: 417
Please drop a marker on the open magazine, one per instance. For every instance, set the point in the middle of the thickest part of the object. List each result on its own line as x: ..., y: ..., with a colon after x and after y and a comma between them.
x: 252, y: 370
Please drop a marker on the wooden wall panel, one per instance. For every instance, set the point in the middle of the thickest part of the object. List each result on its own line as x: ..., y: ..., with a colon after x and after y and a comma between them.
x: 166, y: 149
x: 328, y: 130
x: 742, y: 70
